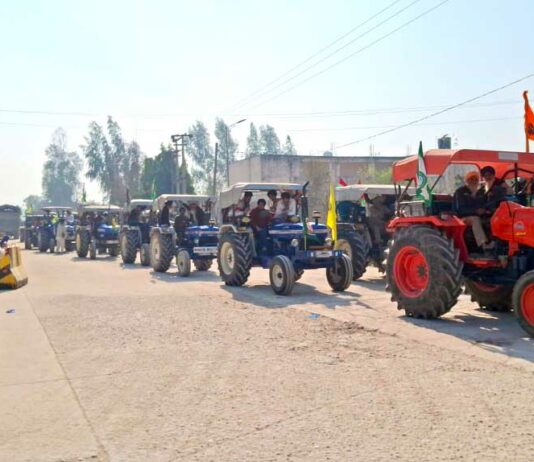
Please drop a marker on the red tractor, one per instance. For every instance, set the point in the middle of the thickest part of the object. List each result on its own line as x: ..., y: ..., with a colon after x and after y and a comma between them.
x: 432, y: 253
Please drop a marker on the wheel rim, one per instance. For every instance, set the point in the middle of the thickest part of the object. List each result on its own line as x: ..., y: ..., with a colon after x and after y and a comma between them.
x: 78, y: 241
x: 123, y: 244
x: 181, y: 261
x: 527, y: 304
x: 337, y: 271
x: 155, y: 250
x: 277, y: 274
x: 227, y: 258
x: 411, y: 271
x: 345, y: 247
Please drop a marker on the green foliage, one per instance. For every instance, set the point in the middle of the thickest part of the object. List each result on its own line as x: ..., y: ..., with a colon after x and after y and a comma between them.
x: 269, y: 142
x: 61, y: 171
x: 114, y: 163
x: 289, y: 147
x: 253, y: 143
x: 224, y: 136
x: 33, y: 203
x: 202, y: 155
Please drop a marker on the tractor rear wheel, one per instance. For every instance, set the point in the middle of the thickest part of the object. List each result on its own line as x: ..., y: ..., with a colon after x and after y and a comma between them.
x: 424, y: 272
x: 339, y: 276
x: 42, y: 241
x: 282, y: 275
x: 183, y: 262
x: 489, y: 296
x: 82, y: 243
x: 355, y: 246
x: 203, y: 265
x: 144, y: 254
x: 161, y: 252
x: 92, y: 250
x: 523, y: 302
x: 129, y: 243
x: 27, y: 241
x: 52, y: 245
x: 234, y: 258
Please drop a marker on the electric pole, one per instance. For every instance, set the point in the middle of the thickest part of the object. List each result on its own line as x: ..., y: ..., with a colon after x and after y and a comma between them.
x: 180, y: 171
x: 215, y: 169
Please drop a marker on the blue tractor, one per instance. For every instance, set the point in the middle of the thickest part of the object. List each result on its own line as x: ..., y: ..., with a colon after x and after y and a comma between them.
x: 28, y: 232
x: 98, y: 230
x: 190, y: 235
x: 280, y: 237
x: 47, y: 230
x: 135, y: 231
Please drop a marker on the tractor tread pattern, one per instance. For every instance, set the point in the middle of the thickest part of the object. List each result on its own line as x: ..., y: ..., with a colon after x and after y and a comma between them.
x: 130, y: 238
x: 166, y: 253
x: 243, y: 259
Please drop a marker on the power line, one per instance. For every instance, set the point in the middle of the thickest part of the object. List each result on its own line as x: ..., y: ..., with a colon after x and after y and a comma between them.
x: 261, y: 90
x: 380, y: 39
x: 434, y: 114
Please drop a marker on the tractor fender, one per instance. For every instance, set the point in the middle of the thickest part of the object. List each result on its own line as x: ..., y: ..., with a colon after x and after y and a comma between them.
x: 163, y: 230
x: 451, y: 225
x: 223, y: 229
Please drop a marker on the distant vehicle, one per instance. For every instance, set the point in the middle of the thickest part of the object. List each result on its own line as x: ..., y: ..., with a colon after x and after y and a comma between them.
x: 135, y: 231
x: 10, y: 220
x: 286, y: 247
x: 98, y: 230
x: 28, y: 231
x: 46, y: 231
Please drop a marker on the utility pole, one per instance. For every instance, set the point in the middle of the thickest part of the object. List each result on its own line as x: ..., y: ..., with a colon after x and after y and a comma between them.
x: 228, y: 127
x: 179, y: 174
x: 215, y: 169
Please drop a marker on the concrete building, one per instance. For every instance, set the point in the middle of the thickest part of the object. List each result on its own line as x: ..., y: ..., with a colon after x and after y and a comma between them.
x: 319, y: 171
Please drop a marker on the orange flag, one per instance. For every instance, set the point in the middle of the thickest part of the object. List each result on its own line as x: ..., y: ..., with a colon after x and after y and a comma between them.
x: 529, y: 119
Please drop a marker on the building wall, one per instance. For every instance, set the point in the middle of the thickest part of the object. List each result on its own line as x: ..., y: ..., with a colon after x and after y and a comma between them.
x: 319, y: 171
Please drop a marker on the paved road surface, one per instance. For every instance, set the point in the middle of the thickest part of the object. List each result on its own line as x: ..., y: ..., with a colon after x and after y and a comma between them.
x: 102, y: 362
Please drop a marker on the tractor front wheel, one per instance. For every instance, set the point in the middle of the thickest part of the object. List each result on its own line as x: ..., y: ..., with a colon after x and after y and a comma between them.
x: 161, y: 252
x: 339, y: 276
x: 82, y: 243
x: 129, y: 242
x: 92, y: 250
x: 28, y: 241
x: 183, y: 262
x: 282, y: 275
x: 523, y: 302
x: 490, y: 297
x: 234, y: 258
x: 355, y: 246
x: 144, y: 254
x: 424, y: 272
x: 42, y: 241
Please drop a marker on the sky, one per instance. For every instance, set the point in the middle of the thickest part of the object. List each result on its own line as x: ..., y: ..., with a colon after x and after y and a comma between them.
x: 158, y: 66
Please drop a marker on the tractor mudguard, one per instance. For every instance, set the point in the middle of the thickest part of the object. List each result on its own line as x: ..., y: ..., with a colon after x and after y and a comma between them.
x: 451, y: 225
x: 514, y: 224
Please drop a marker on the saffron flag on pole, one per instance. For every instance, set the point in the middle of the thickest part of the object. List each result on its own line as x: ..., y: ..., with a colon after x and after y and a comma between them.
x: 331, y: 217
x: 422, y: 191
x: 529, y: 120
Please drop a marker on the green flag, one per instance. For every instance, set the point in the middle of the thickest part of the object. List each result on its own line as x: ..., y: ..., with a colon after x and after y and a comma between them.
x: 422, y: 191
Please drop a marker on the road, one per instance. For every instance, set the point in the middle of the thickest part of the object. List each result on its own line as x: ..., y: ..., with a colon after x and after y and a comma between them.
x: 105, y: 362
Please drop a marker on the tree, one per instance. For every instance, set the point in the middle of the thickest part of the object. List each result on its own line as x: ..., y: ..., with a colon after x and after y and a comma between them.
x: 269, y: 142
x: 253, y: 143
x: 223, y: 135
x: 289, y: 147
x: 115, y: 164
x: 33, y: 203
x: 61, y: 171
x: 201, y: 153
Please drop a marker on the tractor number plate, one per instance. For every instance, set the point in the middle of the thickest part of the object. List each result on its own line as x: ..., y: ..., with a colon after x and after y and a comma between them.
x: 205, y: 250
x: 323, y: 253
x: 112, y: 242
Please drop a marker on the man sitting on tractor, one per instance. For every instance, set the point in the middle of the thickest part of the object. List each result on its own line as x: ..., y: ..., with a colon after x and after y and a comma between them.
x: 493, y: 191
x: 198, y: 217
x: 181, y: 222
x: 260, y: 217
x: 469, y: 205
x: 244, y: 204
x: 164, y: 214
x: 286, y: 208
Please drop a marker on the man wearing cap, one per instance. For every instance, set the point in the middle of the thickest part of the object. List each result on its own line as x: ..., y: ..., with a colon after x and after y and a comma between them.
x: 469, y: 206
x: 493, y: 191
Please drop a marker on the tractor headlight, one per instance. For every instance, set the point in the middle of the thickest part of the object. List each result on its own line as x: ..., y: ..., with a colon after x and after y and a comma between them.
x: 295, y: 242
x: 211, y: 222
x: 196, y: 240
x: 294, y: 219
x: 328, y: 241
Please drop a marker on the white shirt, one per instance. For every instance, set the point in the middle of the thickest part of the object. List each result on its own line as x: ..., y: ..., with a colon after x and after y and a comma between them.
x: 283, y: 211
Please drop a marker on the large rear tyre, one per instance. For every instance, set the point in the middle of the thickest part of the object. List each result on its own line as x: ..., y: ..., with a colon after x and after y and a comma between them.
x: 52, y: 245
x: 523, y: 302
x: 42, y: 241
x: 82, y: 243
x: 424, y: 272
x: 183, y: 262
x: 92, y: 250
x: 203, y: 265
x: 355, y: 246
x: 161, y: 252
x: 339, y: 276
x: 144, y: 254
x: 490, y: 297
x: 234, y: 258
x: 27, y: 241
x: 282, y: 275
x: 129, y: 243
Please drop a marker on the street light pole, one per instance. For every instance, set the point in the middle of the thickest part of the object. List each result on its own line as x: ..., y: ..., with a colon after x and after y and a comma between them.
x: 228, y: 150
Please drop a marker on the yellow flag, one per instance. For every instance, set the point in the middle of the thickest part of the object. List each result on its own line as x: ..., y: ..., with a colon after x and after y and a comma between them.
x: 331, y: 217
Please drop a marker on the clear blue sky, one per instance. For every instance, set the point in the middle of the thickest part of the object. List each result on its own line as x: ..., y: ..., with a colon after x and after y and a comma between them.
x: 157, y: 66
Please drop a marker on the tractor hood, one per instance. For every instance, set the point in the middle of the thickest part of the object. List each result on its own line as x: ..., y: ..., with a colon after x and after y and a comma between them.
x: 107, y: 232
x: 290, y: 230
x: 193, y: 231
x: 514, y: 223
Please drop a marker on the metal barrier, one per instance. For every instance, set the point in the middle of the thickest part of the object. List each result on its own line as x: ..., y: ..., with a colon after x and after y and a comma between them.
x: 12, y: 273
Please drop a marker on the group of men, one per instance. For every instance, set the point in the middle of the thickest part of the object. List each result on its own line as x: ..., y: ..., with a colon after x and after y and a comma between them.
x: 273, y: 210
x: 476, y: 203
x: 191, y: 215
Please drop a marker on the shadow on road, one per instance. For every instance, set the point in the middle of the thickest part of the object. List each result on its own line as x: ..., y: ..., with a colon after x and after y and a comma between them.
x: 195, y: 276
x: 371, y: 283
x: 99, y: 258
x: 495, y: 332
x: 261, y: 295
